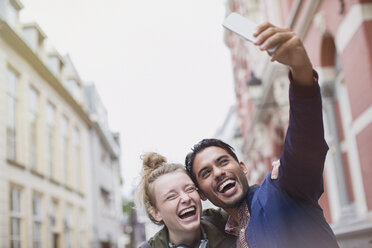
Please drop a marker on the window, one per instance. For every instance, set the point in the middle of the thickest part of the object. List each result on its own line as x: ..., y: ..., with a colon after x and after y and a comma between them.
x: 81, y: 228
x: 12, y: 15
x: 74, y: 88
x: 33, y: 37
x: 37, y: 221
x: 15, y: 217
x: 50, y: 134
x: 33, y: 120
x: 53, y: 212
x: 54, y: 65
x: 68, y: 227
x: 104, y: 156
x: 64, y: 147
x: 29, y: 36
x: 106, y: 201
x: 77, y: 165
x: 12, y: 79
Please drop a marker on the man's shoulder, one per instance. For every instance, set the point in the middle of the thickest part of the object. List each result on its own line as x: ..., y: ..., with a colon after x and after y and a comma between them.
x: 266, y: 184
x: 256, y: 189
x: 260, y: 192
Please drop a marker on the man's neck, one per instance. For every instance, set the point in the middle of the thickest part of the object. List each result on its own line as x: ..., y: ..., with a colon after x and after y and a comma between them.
x: 233, y: 212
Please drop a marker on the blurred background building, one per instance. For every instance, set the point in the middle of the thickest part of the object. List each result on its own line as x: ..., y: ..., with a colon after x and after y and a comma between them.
x: 338, y: 38
x: 105, y: 175
x: 59, y: 162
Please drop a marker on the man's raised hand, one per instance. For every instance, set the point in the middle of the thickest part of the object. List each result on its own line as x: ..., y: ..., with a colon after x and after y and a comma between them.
x: 289, y: 50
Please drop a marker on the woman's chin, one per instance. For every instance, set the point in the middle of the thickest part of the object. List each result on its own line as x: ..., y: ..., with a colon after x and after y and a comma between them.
x: 190, y: 223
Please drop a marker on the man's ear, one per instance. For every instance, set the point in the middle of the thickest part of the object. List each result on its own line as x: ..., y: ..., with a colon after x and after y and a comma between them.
x: 155, y: 214
x: 243, y: 167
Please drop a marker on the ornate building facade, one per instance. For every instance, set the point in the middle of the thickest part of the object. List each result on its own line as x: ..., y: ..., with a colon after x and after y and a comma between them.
x: 338, y: 38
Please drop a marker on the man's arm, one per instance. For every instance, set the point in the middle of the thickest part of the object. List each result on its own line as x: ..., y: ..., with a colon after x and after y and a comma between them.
x: 302, y: 160
x: 305, y: 149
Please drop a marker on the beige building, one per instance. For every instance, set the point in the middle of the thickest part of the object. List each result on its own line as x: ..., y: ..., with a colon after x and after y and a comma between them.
x: 44, y: 137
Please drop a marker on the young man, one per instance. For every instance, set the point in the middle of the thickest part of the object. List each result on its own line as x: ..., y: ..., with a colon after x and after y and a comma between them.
x: 283, y: 212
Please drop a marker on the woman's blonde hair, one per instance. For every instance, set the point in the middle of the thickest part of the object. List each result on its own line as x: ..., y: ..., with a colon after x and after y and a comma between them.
x: 154, y: 166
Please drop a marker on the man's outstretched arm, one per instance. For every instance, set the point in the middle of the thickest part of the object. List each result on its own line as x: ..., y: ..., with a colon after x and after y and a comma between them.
x: 302, y: 160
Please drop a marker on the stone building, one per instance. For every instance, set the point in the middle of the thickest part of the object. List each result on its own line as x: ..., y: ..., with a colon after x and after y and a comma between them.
x: 46, y: 133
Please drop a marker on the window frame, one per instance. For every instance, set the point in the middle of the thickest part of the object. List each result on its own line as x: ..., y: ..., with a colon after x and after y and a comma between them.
x: 13, y: 77
x: 15, y: 214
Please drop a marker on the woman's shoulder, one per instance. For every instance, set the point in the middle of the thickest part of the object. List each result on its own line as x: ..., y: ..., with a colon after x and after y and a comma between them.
x: 145, y: 245
x: 213, y: 223
x: 160, y: 239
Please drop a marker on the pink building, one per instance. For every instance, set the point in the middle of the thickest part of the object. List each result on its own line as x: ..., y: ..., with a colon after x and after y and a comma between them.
x: 338, y: 38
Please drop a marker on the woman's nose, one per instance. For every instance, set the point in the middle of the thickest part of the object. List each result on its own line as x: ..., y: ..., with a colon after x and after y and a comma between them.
x: 185, y: 197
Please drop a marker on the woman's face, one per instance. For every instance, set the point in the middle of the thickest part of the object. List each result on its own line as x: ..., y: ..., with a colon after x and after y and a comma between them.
x: 177, y: 202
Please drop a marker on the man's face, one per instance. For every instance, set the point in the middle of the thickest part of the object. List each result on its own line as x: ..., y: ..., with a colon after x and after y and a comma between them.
x: 221, y: 179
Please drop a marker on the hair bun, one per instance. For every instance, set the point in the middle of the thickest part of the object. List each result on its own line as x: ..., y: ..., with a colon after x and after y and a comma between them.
x: 153, y: 160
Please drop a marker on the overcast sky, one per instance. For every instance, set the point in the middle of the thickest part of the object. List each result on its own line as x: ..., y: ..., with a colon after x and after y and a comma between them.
x: 161, y: 68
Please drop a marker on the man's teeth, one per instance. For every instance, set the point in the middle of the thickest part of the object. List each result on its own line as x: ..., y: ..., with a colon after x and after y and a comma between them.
x: 220, y: 188
x: 187, y: 210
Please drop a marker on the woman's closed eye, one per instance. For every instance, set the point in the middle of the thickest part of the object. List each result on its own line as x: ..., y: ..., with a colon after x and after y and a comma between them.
x: 190, y: 189
x: 171, y: 197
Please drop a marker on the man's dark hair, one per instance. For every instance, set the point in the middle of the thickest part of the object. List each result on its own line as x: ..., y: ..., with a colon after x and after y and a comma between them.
x: 189, y: 161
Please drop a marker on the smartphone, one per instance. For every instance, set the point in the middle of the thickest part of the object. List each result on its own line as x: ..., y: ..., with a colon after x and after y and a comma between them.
x: 242, y: 26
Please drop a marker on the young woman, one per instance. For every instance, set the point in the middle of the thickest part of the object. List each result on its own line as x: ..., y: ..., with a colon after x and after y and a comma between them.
x: 170, y: 198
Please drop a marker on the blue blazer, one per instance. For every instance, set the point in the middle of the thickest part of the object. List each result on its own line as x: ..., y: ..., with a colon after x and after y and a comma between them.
x: 285, y: 212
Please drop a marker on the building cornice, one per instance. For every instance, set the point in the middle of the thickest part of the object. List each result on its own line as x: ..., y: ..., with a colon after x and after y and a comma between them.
x: 17, y: 4
x: 17, y: 43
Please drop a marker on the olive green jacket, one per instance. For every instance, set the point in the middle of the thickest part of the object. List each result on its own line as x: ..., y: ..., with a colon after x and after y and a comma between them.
x: 213, y: 222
